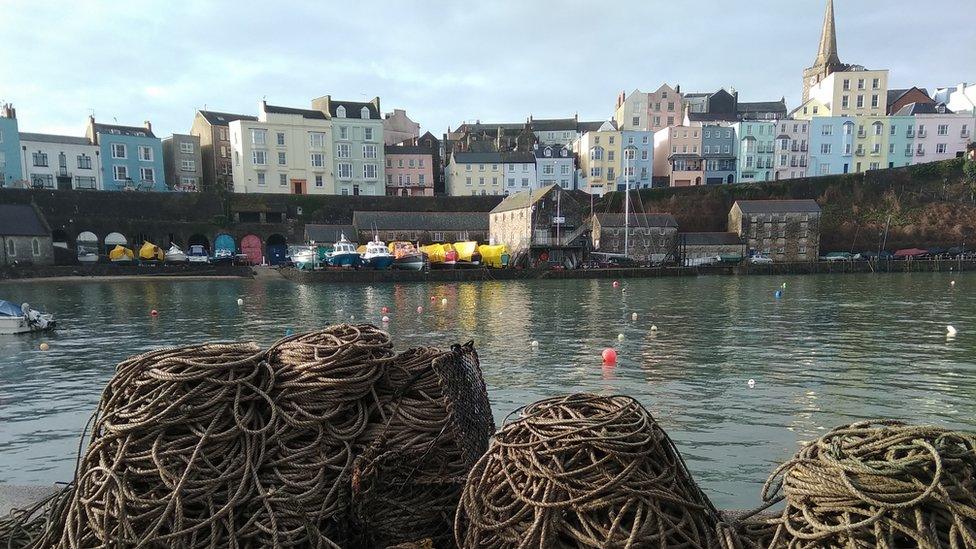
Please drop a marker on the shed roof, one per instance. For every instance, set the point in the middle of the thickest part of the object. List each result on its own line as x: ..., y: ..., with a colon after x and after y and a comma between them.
x: 420, y: 221
x: 523, y: 199
x: 637, y: 220
x: 21, y: 220
x: 778, y: 206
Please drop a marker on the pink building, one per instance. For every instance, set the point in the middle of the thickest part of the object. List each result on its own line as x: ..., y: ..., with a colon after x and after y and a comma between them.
x: 409, y: 170
x: 678, y: 157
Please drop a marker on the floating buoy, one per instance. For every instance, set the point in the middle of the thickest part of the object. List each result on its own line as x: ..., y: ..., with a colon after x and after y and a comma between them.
x: 653, y: 328
x: 432, y: 298
x: 154, y: 312
x: 778, y: 294
x: 352, y: 317
x: 44, y: 346
x: 950, y: 331
x: 240, y: 301
x: 952, y: 282
x: 620, y: 337
x: 784, y: 285
x: 420, y: 310
x: 444, y: 301
x: 535, y: 343
x: 633, y: 316
x: 751, y: 383
x: 289, y: 332
x: 385, y: 310
x: 616, y: 284
x: 609, y: 356
x: 386, y: 318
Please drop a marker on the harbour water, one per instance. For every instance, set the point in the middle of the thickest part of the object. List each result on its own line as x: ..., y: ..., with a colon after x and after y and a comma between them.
x: 831, y: 350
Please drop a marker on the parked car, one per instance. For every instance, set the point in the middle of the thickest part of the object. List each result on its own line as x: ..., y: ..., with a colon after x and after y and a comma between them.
x: 760, y: 259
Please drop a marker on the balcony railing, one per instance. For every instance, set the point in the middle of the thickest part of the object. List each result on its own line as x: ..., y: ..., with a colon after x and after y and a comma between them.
x: 964, y: 133
x: 910, y: 133
x: 859, y: 152
x: 922, y: 133
x: 920, y: 152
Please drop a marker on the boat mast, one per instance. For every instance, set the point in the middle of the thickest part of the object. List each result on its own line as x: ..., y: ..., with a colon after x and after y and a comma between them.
x: 626, y: 204
x: 558, y: 220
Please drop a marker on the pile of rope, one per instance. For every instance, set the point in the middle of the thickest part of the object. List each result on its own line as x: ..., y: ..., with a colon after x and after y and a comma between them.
x: 584, y: 471
x: 227, y: 445
x: 873, y: 484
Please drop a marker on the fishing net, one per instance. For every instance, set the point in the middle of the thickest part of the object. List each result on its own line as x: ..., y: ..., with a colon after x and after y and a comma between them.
x: 408, y: 481
x: 583, y: 471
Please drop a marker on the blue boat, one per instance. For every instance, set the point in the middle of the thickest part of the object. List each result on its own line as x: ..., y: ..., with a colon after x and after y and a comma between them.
x: 377, y: 255
x: 344, y: 254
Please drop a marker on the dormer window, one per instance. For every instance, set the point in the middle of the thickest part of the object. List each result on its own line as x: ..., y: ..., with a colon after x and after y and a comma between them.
x: 564, y: 153
x: 364, y: 113
x: 340, y: 112
x: 548, y: 152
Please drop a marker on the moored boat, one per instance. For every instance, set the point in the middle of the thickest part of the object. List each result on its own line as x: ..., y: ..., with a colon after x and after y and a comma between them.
x: 121, y: 254
x: 304, y: 257
x: 23, y: 319
x: 440, y: 256
x: 223, y: 256
x: 467, y: 254
x: 151, y: 252
x: 377, y: 255
x: 344, y: 254
x: 86, y: 256
x: 174, y: 255
x: 494, y: 256
x: 198, y: 254
x: 406, y: 256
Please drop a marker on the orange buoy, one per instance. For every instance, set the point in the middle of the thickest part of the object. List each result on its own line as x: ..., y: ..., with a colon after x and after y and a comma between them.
x: 385, y: 310
x: 609, y: 356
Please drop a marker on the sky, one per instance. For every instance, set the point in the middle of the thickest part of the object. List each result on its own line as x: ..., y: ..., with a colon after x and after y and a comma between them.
x: 444, y: 62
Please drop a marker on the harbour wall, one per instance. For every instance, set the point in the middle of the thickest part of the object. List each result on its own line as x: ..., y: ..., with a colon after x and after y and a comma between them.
x: 103, y: 270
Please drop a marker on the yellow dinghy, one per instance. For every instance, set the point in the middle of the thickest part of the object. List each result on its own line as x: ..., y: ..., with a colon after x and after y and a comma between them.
x: 151, y: 252
x: 121, y: 254
x: 494, y: 256
x: 467, y: 253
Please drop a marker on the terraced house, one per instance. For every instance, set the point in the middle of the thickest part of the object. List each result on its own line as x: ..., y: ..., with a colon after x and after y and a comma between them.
x: 132, y: 156
x: 471, y: 173
x: 678, y: 158
x: 792, y: 149
x: 599, y: 157
x: 719, y: 147
x: 756, y: 150
x: 357, y: 137
x: 61, y: 162
x: 213, y: 130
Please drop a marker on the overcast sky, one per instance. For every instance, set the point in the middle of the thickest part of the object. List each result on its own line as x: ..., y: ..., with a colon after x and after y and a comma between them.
x: 445, y: 62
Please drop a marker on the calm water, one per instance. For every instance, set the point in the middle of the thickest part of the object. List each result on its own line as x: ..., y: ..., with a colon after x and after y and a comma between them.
x: 832, y: 350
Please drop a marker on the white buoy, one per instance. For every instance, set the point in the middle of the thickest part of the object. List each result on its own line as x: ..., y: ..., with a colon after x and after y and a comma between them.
x: 352, y: 317
x: 44, y: 346
x: 952, y: 282
x: 339, y: 311
x: 950, y: 331
x: 240, y: 301
x: 420, y: 309
x: 633, y: 316
x: 444, y: 301
x: 386, y: 318
x: 751, y: 383
x: 784, y: 285
x: 535, y: 343
x: 620, y: 337
x: 653, y: 328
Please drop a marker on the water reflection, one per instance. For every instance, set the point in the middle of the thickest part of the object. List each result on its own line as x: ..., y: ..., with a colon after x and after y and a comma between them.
x: 831, y: 350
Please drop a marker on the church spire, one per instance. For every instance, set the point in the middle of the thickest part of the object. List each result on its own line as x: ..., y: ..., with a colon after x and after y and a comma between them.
x: 827, y: 55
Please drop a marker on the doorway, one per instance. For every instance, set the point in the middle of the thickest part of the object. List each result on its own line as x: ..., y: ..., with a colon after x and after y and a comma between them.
x: 298, y: 186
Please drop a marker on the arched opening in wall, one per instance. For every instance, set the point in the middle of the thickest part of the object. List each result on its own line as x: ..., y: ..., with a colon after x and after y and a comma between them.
x: 277, y: 248
x: 731, y: 179
x: 140, y: 238
x: 114, y: 239
x: 251, y: 247
x: 199, y: 240
x: 87, y: 246
x: 173, y: 239
x: 226, y: 242
x: 59, y: 238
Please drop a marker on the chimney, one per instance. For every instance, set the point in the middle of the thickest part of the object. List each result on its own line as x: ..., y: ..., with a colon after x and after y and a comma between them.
x: 677, y: 88
x: 148, y: 126
x: 8, y: 111
x: 376, y: 103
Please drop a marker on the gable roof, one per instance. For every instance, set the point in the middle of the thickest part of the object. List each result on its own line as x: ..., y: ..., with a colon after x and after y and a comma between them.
x: 761, y: 106
x: 407, y: 149
x: 637, y: 220
x: 420, y: 221
x: 895, y: 95
x: 306, y: 113
x: 524, y: 199
x: 215, y: 118
x: 923, y: 108
x: 21, y: 220
x: 114, y: 129
x: 584, y: 127
x: 778, y: 206
x: 553, y: 124
x: 49, y: 138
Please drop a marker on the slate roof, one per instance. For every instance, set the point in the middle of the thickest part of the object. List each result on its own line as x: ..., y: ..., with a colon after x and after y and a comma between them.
x: 895, y: 95
x: 420, y: 221
x: 637, y: 220
x: 215, y: 118
x: 21, y: 220
x: 494, y: 157
x: 584, y: 127
x: 353, y: 109
x: 49, y: 138
x: 557, y: 152
x: 710, y: 239
x: 113, y: 129
x: 306, y: 113
x: 329, y: 233
x: 523, y: 199
x: 922, y: 108
x: 407, y: 149
x: 778, y: 206
x: 761, y: 106
x: 554, y: 124
x: 710, y: 117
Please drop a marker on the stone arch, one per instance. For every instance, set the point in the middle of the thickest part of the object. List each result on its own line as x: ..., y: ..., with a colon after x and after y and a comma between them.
x: 59, y: 238
x: 224, y: 241
x: 115, y: 239
x: 198, y: 240
x: 253, y: 248
x: 277, y: 249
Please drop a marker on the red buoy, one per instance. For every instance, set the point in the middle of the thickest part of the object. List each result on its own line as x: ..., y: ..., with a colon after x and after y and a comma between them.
x: 385, y: 310
x: 432, y: 298
x: 616, y: 284
x: 154, y: 312
x: 609, y: 356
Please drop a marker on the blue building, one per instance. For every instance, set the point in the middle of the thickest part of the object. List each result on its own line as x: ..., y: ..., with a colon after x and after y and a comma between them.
x: 718, y: 152
x: 637, y: 159
x: 10, y: 169
x: 132, y: 157
x: 756, y: 148
x: 901, y: 141
x: 831, y: 145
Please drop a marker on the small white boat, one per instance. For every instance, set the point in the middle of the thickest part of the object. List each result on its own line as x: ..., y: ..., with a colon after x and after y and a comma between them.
x: 377, y: 255
x: 14, y: 320
x: 198, y: 254
x: 87, y: 257
x: 304, y: 257
x: 175, y: 255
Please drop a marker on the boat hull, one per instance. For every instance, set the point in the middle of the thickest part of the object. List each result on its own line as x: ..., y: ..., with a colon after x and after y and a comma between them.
x: 88, y: 258
x: 380, y: 263
x: 175, y: 258
x: 198, y: 259
x: 411, y: 263
x: 344, y: 260
x: 10, y: 325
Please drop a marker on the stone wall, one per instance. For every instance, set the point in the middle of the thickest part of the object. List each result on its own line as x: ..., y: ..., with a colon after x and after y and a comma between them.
x: 15, y: 250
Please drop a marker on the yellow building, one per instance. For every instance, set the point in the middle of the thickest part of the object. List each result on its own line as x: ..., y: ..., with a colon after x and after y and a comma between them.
x: 809, y: 109
x: 471, y: 173
x: 871, y: 138
x: 853, y: 93
x: 599, y: 157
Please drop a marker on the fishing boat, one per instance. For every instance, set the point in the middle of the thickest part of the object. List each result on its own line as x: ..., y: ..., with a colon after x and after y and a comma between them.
x: 198, y: 254
x: 87, y: 256
x: 174, y: 255
x: 223, y: 256
x: 494, y: 256
x: 467, y: 254
x: 406, y: 256
x: 344, y: 254
x: 121, y: 254
x: 377, y: 255
x: 304, y: 257
x: 151, y: 252
x: 23, y: 319
x: 440, y: 256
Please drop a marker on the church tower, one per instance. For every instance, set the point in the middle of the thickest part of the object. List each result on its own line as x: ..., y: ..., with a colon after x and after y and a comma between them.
x: 827, y: 59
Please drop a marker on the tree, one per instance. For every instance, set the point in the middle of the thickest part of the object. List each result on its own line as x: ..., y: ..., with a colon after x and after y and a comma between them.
x: 969, y: 170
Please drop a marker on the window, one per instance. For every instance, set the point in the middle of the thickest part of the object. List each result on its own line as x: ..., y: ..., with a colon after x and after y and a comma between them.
x: 525, y: 181
x: 317, y: 160
x: 707, y: 149
x: 421, y: 179
x: 847, y: 149
x: 595, y: 172
x: 84, y: 182
x: 368, y: 133
x: 845, y: 102
x: 340, y: 112
x: 364, y: 113
x: 316, y: 139
x: 11, y: 247
x: 825, y: 169
x: 670, y: 121
x: 121, y: 172
x: 548, y: 169
x: 147, y: 174
x: 318, y: 180
x: 343, y: 132
x: 258, y: 137
x: 610, y: 156
x: 564, y: 169
x: 876, y: 83
x: 281, y: 139
x: 259, y: 158
x: 644, y: 153
x: 847, y: 83
x: 609, y: 173
x: 940, y: 148
x: 481, y: 180
x: 860, y: 101
x: 369, y: 171
x: 635, y: 121
x: 118, y: 150
x: 411, y: 162
x: 186, y: 147
x: 345, y: 170
x: 596, y: 153
x: 283, y: 179
x: 860, y: 83
x: 145, y: 153
x: 878, y: 128
x: 943, y: 129
x: 727, y: 149
x: 282, y: 158
x: 223, y: 134
x: 874, y: 101
x: 369, y: 151
x: 84, y: 162
x: 261, y: 179
x: 406, y: 179
x: 40, y: 159
x: 511, y: 181
x: 188, y: 165
x: 825, y: 148
x: 342, y: 150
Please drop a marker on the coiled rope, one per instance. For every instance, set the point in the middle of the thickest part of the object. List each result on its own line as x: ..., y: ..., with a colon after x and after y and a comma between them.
x: 583, y: 471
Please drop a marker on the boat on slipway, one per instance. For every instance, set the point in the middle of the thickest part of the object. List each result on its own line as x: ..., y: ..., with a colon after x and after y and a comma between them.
x: 440, y: 256
x: 344, y: 254
x: 467, y: 254
x: 175, y: 255
x: 121, y: 254
x: 406, y: 256
x: 377, y: 255
x: 23, y: 319
x: 150, y: 252
x: 198, y: 254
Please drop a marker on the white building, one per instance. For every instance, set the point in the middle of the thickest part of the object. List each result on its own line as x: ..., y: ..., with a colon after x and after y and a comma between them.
x: 357, y: 134
x: 284, y: 151
x: 792, y: 154
x: 959, y: 99
x: 60, y: 162
x: 518, y: 172
x: 940, y: 134
x: 555, y: 165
